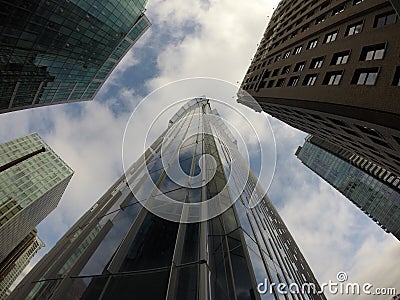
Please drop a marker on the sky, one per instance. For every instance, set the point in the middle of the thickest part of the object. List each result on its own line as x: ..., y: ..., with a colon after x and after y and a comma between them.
x: 213, y: 39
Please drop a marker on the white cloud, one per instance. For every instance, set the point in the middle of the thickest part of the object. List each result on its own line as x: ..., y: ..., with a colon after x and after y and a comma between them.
x: 333, y: 234
x: 224, y: 40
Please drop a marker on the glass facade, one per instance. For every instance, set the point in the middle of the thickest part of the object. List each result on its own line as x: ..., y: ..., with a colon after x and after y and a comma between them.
x: 370, y: 187
x: 121, y: 248
x: 16, y: 262
x: 32, y: 181
x: 63, y: 51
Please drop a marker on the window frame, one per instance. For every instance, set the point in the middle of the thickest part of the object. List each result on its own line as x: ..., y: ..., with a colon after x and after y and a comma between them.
x: 280, y: 82
x: 368, y: 72
x: 338, y: 55
x: 335, y: 75
x: 275, y: 72
x: 317, y: 60
x: 385, y: 16
x: 310, y: 79
x: 312, y: 44
x: 328, y: 37
x: 338, y: 9
x: 297, y: 50
x: 293, y: 79
x: 297, y: 67
x: 374, y: 49
x: 354, y: 26
x: 286, y: 69
x: 320, y: 19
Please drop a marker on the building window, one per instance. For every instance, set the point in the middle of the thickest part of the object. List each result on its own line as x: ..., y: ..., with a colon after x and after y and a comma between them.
x: 310, y: 79
x: 293, y: 81
x: 320, y: 19
x: 278, y: 58
x: 340, y: 58
x: 365, y: 76
x: 312, y: 44
x: 266, y: 73
x: 396, y: 79
x: 305, y: 27
x: 354, y: 29
x: 373, y: 52
x: 299, y: 66
x: 298, y: 22
x: 286, y: 55
x: 355, y: 2
x: 325, y: 4
x: 276, y: 72
x: 297, y: 50
x: 317, y: 62
x: 270, y: 83
x: 285, y: 69
x: 330, y: 37
x: 310, y: 14
x: 385, y: 19
x: 280, y: 82
x: 338, y: 9
x: 333, y: 78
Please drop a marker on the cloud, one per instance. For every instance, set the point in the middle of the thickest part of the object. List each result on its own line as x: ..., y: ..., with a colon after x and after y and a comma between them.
x: 333, y: 234
x: 223, y: 41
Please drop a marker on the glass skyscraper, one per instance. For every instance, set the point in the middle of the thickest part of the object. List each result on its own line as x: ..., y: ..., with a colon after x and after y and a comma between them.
x: 63, y: 51
x: 228, y: 241
x: 32, y: 181
x: 17, y: 261
x: 370, y: 187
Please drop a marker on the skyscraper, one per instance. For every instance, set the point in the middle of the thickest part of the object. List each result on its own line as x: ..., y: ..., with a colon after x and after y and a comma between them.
x: 57, y: 52
x: 370, y: 187
x: 332, y: 69
x: 17, y: 260
x: 32, y: 181
x: 130, y: 243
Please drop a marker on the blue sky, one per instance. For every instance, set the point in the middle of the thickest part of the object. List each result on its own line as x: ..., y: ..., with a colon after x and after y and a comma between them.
x: 204, y: 39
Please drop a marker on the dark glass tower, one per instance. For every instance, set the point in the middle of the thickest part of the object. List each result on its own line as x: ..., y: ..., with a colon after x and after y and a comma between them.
x: 63, y: 51
x: 121, y: 248
x: 370, y: 187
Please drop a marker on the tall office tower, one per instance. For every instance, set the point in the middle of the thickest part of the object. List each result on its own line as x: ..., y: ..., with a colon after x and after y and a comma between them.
x: 32, y: 181
x: 331, y: 68
x: 128, y: 244
x: 17, y: 261
x: 370, y: 187
x: 63, y: 51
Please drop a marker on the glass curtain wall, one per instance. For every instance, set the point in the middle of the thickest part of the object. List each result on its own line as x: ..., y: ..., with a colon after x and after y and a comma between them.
x: 121, y: 250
